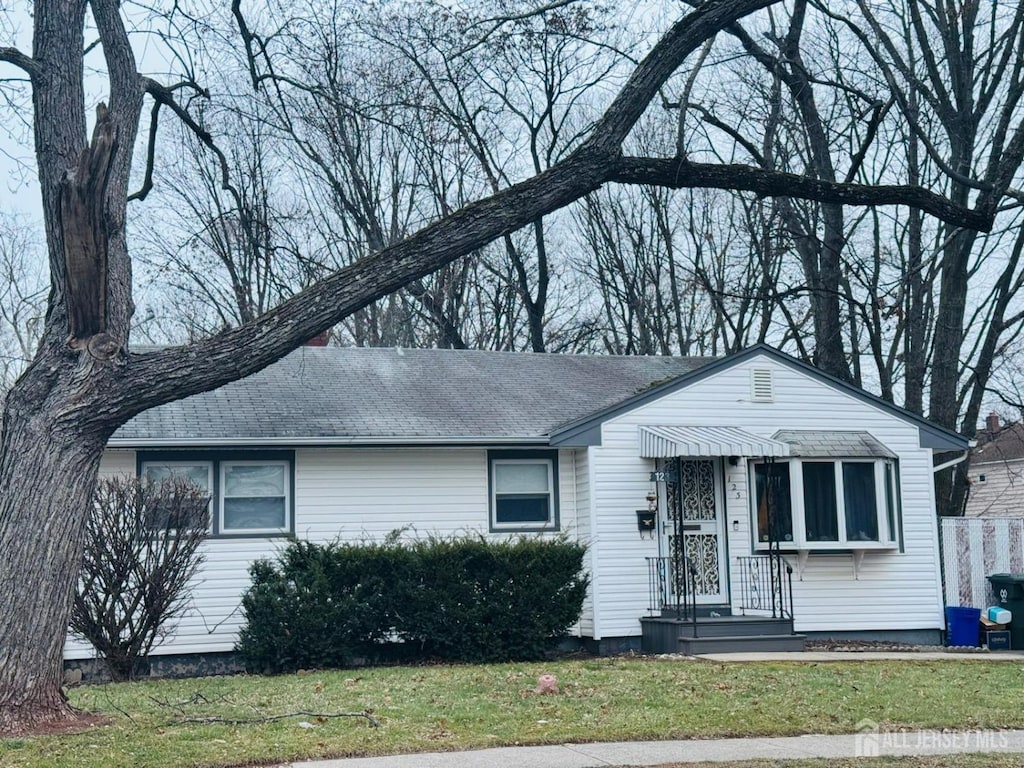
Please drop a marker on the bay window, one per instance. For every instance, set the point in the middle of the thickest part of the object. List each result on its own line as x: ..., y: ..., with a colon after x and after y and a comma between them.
x: 817, y: 503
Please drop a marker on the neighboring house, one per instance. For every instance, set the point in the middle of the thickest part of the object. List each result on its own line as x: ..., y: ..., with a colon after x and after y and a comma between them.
x: 653, y: 462
x: 996, y: 471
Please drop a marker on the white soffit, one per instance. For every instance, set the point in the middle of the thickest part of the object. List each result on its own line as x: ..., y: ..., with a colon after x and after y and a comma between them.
x: 667, y: 442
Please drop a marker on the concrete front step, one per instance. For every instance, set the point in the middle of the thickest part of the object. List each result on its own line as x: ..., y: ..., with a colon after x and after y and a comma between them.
x: 695, y: 646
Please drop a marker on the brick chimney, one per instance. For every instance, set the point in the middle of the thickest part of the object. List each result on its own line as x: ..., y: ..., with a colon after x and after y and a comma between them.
x: 992, y: 425
x: 320, y: 340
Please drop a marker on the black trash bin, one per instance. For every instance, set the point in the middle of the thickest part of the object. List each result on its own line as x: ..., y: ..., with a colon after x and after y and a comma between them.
x: 1009, y: 592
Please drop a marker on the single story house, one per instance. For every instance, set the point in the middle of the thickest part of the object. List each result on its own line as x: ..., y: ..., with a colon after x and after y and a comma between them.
x: 744, y: 495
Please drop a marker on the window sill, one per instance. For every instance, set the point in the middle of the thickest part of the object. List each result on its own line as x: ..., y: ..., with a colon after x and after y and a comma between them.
x: 831, y: 548
x: 524, y: 529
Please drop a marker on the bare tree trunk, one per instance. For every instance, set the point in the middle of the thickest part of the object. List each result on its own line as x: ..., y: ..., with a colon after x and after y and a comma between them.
x: 47, y: 472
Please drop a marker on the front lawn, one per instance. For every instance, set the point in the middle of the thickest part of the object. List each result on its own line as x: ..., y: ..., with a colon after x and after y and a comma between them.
x: 463, y: 707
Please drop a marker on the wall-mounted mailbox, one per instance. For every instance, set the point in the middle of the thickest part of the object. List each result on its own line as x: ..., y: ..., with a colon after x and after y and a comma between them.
x: 646, y: 522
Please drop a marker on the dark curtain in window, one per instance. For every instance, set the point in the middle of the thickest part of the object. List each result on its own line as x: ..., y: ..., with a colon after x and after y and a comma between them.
x: 522, y: 508
x: 821, y: 521
x: 774, y: 520
x: 860, y: 500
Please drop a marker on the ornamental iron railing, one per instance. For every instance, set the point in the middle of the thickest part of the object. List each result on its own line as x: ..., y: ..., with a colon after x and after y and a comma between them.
x: 765, y: 586
x: 672, y: 588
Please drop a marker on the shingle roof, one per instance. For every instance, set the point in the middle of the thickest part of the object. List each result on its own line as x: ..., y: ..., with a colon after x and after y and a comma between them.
x: 832, y: 444
x: 319, y: 393
x: 1004, y: 445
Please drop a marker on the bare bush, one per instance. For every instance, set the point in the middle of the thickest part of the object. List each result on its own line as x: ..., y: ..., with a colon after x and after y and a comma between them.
x: 141, y: 552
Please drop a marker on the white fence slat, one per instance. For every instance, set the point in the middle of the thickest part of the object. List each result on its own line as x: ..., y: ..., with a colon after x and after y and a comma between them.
x: 974, y: 548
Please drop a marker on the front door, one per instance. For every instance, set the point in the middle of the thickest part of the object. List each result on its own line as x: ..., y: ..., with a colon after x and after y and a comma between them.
x: 695, y: 520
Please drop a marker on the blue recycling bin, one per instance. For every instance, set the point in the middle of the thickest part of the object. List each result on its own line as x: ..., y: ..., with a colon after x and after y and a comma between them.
x: 962, y: 625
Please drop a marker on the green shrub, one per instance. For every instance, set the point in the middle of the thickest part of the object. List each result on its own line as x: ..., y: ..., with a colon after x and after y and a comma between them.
x: 466, y: 599
x: 318, y: 606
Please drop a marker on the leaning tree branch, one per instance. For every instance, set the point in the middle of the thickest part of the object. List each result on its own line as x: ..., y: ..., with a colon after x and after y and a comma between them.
x: 146, y: 380
x: 158, y: 377
x: 497, y: 22
x: 681, y: 174
x: 154, y: 121
x: 643, y: 86
x: 251, y: 41
x: 24, y: 62
x: 879, y: 112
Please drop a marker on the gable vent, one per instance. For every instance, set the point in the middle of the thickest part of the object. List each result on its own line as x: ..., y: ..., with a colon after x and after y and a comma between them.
x: 762, y: 389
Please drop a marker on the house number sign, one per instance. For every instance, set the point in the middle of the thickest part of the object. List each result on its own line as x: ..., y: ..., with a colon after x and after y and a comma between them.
x: 664, y: 476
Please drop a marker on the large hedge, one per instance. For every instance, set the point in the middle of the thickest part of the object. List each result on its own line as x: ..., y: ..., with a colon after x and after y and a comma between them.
x: 466, y: 599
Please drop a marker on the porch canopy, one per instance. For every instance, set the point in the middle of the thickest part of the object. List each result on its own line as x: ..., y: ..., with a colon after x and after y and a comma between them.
x: 833, y: 444
x: 668, y: 442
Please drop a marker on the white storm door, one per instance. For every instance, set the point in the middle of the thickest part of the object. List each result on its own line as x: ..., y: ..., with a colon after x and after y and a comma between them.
x: 697, y: 518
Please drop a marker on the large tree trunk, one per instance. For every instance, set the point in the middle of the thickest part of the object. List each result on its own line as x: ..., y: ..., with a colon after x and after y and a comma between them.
x: 47, y: 473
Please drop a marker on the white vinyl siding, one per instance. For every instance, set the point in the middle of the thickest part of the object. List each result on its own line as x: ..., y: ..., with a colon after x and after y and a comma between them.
x: 581, y: 494
x: 347, y: 494
x: 1001, y: 493
x: 893, y: 589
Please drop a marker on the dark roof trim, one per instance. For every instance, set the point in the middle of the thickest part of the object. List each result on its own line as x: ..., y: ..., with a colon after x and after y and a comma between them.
x: 335, y: 441
x: 586, y: 431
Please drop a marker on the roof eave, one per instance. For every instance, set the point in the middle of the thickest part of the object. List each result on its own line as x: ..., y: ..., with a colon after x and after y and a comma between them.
x: 339, y: 441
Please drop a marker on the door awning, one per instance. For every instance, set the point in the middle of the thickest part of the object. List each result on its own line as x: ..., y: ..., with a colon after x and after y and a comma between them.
x: 667, y: 442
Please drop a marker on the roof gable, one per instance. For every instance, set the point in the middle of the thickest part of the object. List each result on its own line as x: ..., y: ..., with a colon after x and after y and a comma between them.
x: 586, y: 431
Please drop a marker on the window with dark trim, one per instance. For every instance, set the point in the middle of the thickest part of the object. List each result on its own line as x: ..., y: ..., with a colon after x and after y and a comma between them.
x: 197, y: 473
x: 523, y: 487
x: 250, y: 492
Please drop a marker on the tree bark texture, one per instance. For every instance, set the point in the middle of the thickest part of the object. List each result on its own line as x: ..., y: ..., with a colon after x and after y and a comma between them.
x: 59, y: 415
x: 47, y: 473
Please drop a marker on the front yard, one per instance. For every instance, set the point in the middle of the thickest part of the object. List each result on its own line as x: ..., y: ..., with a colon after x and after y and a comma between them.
x: 433, y: 708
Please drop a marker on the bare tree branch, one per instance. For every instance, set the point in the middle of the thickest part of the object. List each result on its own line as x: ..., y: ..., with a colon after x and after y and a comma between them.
x: 680, y: 174
x: 147, y: 182
x: 163, y: 95
x: 374, y: 723
x: 24, y: 62
x: 172, y: 374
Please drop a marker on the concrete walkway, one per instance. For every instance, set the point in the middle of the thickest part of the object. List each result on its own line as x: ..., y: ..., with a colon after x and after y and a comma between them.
x: 647, y: 753
x: 1016, y: 656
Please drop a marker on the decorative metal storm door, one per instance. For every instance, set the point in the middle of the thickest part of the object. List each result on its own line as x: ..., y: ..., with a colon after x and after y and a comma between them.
x: 694, y: 530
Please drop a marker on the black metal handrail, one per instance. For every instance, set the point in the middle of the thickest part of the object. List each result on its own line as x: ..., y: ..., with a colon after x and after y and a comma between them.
x: 765, y: 585
x: 672, y: 588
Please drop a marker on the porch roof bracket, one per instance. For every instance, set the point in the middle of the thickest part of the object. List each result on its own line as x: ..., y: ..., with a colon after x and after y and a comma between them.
x: 661, y: 442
